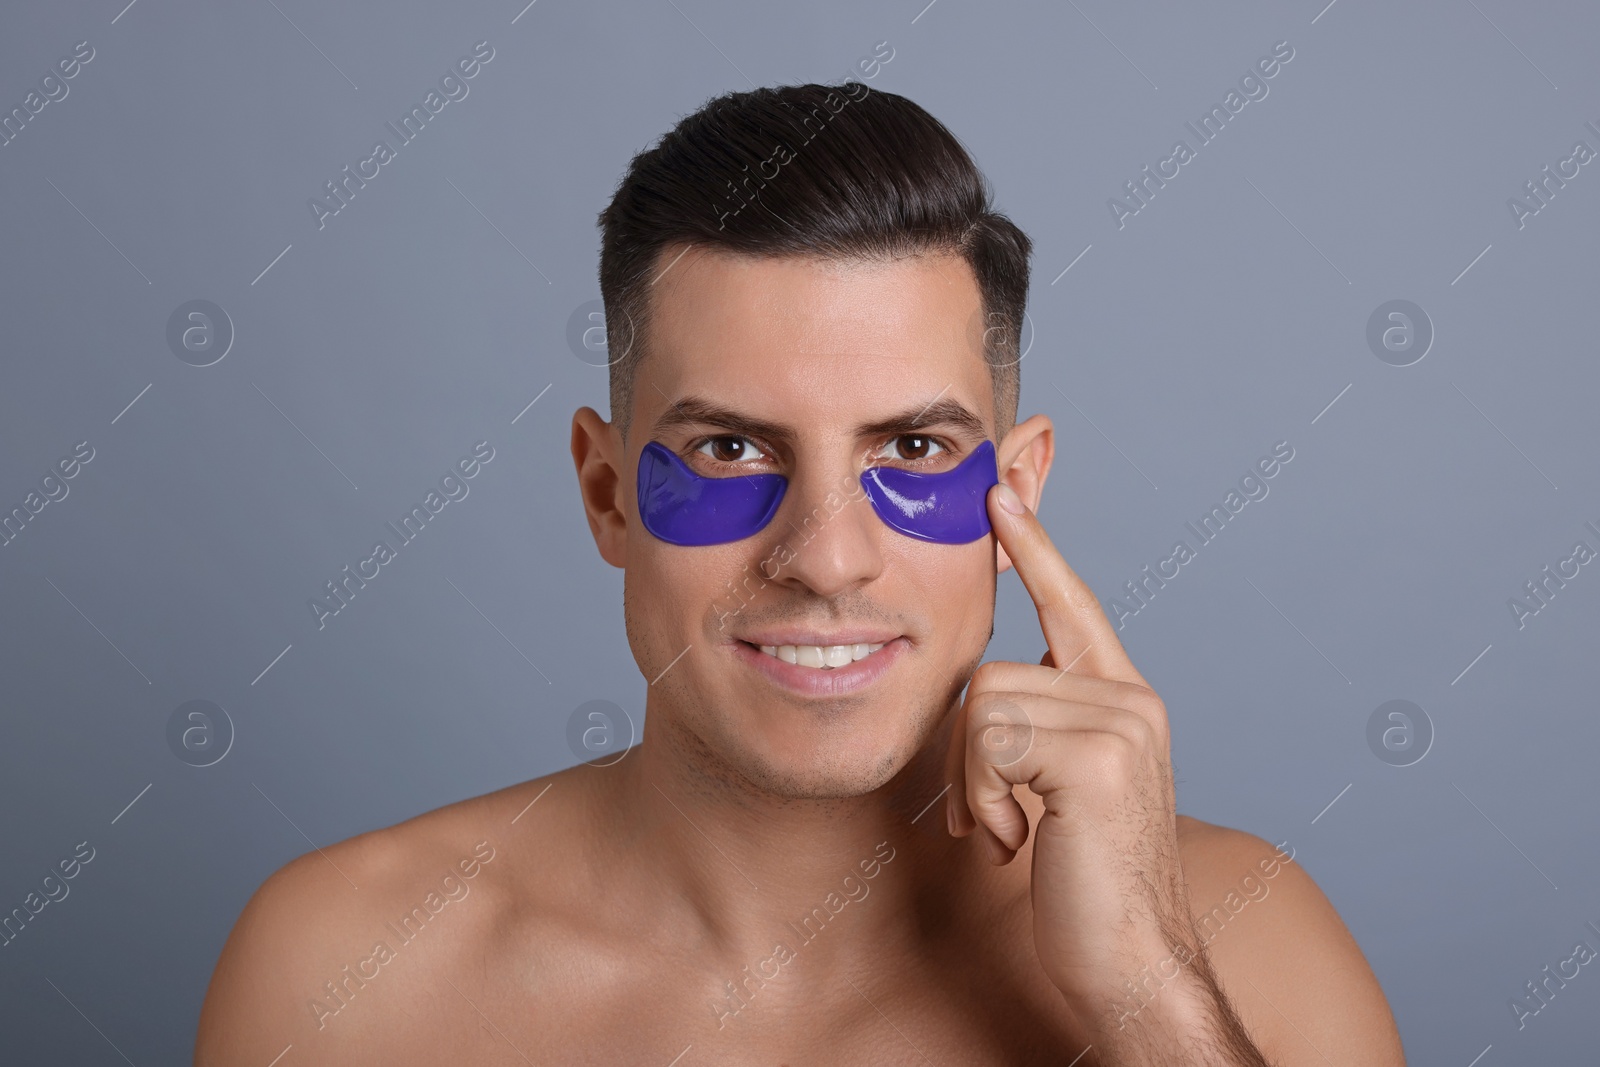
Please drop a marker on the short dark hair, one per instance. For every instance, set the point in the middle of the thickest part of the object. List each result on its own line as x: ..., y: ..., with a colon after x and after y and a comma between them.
x: 838, y: 172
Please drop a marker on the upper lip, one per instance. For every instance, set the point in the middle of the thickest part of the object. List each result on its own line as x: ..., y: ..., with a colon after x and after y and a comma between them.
x: 776, y: 638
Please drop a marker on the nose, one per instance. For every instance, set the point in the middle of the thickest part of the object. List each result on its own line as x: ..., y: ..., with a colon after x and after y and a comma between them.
x: 828, y: 524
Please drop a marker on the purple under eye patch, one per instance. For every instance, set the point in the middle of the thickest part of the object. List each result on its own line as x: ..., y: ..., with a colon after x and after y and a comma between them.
x: 683, y: 508
x: 947, y: 508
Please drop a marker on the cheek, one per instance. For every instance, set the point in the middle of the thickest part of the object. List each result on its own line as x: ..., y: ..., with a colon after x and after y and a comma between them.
x: 952, y: 586
x: 976, y: 585
x: 654, y: 600
x: 681, y: 595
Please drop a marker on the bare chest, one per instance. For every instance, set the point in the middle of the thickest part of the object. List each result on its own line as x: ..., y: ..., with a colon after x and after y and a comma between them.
x: 972, y: 1005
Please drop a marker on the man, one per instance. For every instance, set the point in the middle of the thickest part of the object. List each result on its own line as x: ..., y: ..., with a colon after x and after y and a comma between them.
x: 820, y: 851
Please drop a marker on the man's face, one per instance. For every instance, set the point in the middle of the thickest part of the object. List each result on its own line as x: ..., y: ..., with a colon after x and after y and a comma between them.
x: 816, y: 372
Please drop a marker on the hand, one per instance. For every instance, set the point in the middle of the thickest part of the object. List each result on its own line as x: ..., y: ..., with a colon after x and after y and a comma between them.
x: 1084, y: 730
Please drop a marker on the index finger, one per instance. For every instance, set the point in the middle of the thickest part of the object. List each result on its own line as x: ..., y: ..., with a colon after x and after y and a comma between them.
x: 1075, y: 627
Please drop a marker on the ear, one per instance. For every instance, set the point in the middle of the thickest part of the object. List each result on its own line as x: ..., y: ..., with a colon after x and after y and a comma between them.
x: 597, y: 452
x: 1024, y: 459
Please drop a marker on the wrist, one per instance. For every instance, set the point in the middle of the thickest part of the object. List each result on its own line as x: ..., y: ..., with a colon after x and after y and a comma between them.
x: 1178, y: 1004
x: 1160, y: 1011
x: 1188, y: 1020
x: 1163, y: 982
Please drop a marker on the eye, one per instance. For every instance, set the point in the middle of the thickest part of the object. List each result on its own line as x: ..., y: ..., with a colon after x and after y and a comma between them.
x: 920, y: 447
x: 728, y: 448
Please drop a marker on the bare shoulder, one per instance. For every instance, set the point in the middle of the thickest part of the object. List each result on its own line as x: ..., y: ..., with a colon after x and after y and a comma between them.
x: 342, y: 952
x: 1286, y: 961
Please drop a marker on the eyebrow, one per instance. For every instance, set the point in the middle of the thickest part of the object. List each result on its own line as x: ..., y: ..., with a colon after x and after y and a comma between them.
x: 697, y: 410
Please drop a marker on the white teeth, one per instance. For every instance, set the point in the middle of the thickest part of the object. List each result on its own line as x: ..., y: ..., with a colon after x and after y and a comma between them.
x: 821, y: 656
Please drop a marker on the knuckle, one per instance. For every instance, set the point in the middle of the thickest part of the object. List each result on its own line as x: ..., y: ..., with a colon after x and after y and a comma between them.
x: 1109, y: 756
x: 1139, y: 728
x: 995, y: 702
x: 1000, y: 731
x: 1051, y: 598
x: 1149, y: 731
x: 1141, y: 699
x: 986, y: 677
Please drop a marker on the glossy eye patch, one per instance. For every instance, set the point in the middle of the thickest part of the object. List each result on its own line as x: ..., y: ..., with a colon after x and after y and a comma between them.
x: 681, y: 507
x: 947, y: 508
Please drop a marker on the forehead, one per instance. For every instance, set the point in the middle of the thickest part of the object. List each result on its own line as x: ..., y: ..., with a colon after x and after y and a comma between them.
x: 814, y: 343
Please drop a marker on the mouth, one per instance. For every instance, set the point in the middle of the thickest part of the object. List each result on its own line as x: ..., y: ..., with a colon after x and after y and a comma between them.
x: 822, y: 670
x: 820, y: 657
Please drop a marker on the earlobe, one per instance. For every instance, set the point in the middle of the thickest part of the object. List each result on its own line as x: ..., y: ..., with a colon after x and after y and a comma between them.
x: 595, y: 451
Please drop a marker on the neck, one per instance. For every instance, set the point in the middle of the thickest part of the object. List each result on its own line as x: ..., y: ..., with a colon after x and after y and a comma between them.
x: 833, y: 880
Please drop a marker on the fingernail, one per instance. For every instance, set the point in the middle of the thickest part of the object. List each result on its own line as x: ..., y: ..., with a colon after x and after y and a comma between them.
x: 1009, y: 499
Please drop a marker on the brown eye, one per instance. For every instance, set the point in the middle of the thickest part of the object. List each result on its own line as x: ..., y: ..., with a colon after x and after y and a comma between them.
x: 912, y: 447
x: 728, y: 449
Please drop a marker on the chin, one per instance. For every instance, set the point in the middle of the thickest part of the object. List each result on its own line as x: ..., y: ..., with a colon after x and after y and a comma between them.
x: 823, y: 763
x: 816, y: 782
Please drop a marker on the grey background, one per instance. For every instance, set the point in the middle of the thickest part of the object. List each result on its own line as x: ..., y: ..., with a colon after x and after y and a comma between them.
x: 428, y: 314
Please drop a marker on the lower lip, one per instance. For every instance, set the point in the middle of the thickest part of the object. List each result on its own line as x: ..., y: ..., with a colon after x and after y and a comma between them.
x: 820, y: 681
